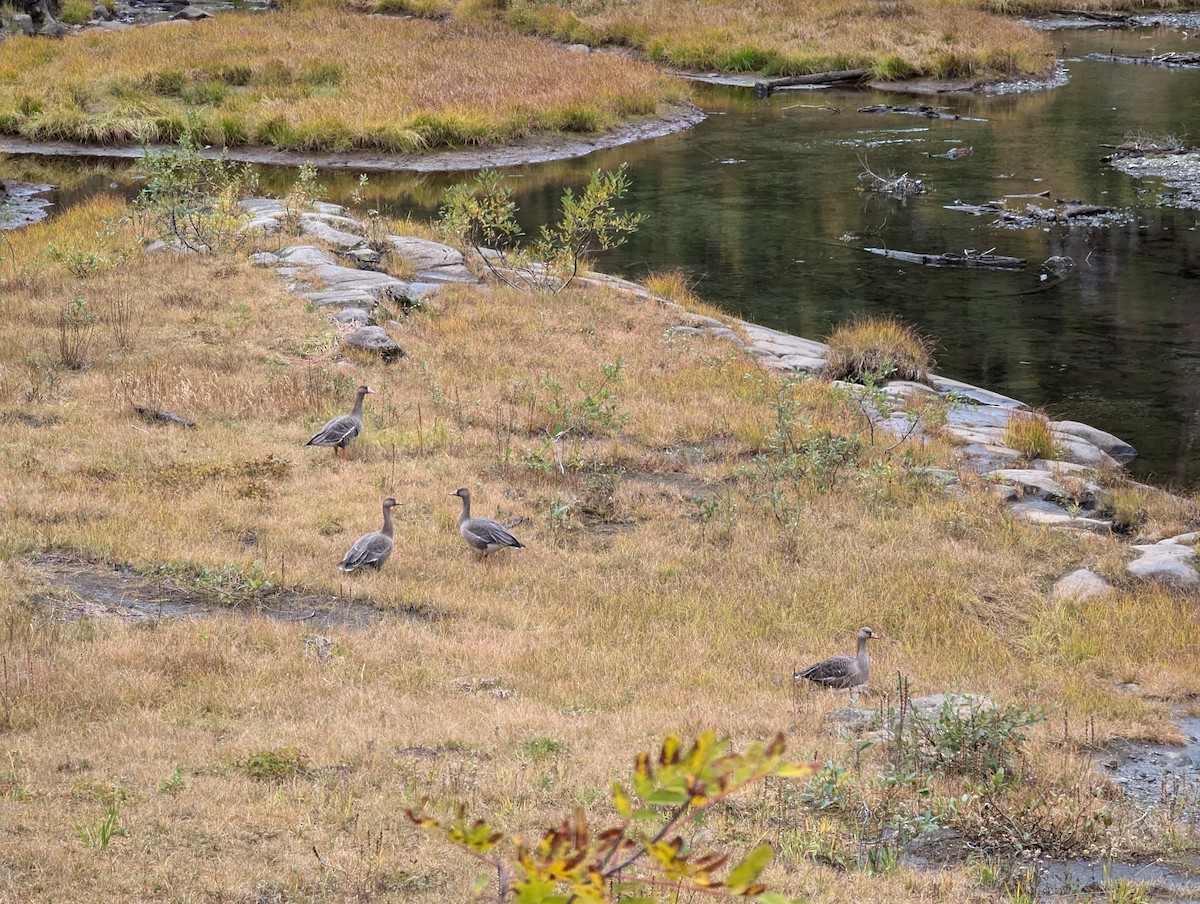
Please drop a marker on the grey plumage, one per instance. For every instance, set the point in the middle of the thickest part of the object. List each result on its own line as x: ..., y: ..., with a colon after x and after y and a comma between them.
x: 344, y: 429
x: 372, y: 550
x: 842, y: 671
x: 482, y: 534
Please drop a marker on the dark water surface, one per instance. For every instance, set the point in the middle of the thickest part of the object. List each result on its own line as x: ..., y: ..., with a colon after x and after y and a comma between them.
x: 754, y: 203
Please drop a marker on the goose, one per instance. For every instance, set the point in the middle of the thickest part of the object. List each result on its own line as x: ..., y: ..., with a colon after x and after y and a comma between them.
x: 842, y: 671
x: 482, y: 534
x: 342, y: 430
x: 372, y: 550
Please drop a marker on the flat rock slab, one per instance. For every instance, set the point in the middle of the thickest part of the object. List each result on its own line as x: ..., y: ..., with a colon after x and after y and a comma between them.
x: 352, y: 317
x: 322, y: 231
x: 1082, y: 452
x: 1120, y: 450
x: 262, y: 206
x: 903, y: 389
x: 1049, y: 515
x: 796, y: 364
x: 1173, y: 565
x: 1080, y: 584
x: 983, y: 396
x: 1036, y: 483
x: 306, y: 256
x: 265, y: 259
x: 984, y: 457
x: 341, y: 298
x: 975, y: 416
x: 378, y: 285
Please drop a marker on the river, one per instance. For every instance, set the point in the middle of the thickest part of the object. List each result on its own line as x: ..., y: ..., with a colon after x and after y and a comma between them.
x: 758, y: 204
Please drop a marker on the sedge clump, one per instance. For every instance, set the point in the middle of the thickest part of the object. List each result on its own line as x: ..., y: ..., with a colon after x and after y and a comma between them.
x: 874, y: 348
x: 1030, y: 433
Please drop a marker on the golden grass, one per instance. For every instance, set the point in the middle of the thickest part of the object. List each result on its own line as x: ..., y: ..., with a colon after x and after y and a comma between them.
x: 894, y: 38
x: 317, y: 80
x: 1030, y: 433
x: 629, y: 615
x: 879, y: 347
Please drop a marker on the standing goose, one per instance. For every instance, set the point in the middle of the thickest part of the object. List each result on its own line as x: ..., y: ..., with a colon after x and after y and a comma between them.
x: 842, y: 671
x: 372, y: 550
x: 344, y: 429
x: 482, y: 534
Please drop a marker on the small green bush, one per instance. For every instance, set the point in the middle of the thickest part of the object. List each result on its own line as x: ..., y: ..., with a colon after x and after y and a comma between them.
x: 271, y: 765
x: 75, y: 12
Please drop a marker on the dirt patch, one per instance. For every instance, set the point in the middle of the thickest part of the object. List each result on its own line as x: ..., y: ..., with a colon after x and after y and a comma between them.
x: 539, y: 150
x: 76, y: 589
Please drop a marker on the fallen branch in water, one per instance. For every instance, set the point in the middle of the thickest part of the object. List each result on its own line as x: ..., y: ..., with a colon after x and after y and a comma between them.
x: 984, y: 260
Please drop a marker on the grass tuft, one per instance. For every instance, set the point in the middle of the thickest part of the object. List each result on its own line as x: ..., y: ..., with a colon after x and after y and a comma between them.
x: 877, y: 348
x: 1030, y: 433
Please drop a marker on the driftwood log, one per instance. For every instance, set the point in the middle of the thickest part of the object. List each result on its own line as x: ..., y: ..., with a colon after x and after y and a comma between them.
x: 765, y: 86
x: 1171, y: 60
x: 917, y: 110
x: 983, y: 260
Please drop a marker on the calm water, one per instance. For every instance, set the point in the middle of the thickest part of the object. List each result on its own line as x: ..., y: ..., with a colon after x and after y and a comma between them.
x: 754, y: 202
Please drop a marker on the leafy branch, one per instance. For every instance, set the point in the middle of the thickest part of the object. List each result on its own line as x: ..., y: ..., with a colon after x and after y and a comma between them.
x: 573, y: 862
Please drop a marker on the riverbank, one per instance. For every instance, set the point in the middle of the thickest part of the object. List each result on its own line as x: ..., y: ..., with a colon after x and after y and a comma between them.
x: 701, y: 529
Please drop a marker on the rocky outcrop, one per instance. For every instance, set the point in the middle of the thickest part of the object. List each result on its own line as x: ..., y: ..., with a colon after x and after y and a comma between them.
x: 1170, y: 562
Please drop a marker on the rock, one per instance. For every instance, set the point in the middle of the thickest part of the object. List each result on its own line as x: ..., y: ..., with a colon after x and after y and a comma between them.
x: 797, y: 364
x: 984, y: 457
x: 101, y: 13
x: 1049, y: 515
x: 930, y: 708
x: 326, y: 207
x: 983, y: 396
x: 1037, y: 483
x: 262, y: 206
x: 260, y: 224
x: 378, y: 285
x: 1172, y: 565
x: 306, y: 256
x: 322, y: 231
x: 114, y: 26
x: 1120, y: 450
x: 264, y: 259
x: 53, y: 29
x: 375, y: 339
x: 1082, y: 452
x: 432, y: 260
x: 975, y: 416
x: 334, y: 219
x: 352, y: 316
x: 1080, y: 584
x: 579, y: 48
x: 1189, y: 538
x: 993, y: 436
x: 22, y: 22
x: 341, y: 298
x: 853, y: 719
x: 362, y: 257
x: 1058, y: 467
x: 192, y: 14
x: 904, y: 389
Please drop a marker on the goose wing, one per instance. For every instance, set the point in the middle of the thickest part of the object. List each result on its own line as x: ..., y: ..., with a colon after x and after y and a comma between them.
x: 338, y: 432
x: 484, y: 533
x: 368, y: 551
x: 837, y: 671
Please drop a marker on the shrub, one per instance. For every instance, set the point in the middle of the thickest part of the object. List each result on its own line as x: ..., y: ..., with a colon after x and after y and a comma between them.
x: 276, y: 764
x: 877, y: 347
x: 1030, y: 433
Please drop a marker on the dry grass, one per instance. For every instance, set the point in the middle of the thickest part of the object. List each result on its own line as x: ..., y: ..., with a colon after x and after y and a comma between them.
x: 317, y: 80
x: 1030, y: 433
x: 230, y: 751
x: 894, y: 38
x: 880, y: 348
